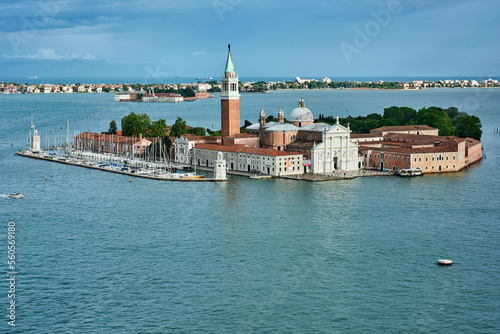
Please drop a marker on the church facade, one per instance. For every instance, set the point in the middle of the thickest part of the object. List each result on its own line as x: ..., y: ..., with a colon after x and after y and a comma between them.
x: 326, y: 148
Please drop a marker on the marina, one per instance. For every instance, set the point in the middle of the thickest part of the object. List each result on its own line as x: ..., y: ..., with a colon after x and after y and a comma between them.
x: 152, y: 171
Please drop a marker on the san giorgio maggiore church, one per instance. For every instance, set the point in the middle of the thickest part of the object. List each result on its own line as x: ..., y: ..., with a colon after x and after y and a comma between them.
x: 276, y: 148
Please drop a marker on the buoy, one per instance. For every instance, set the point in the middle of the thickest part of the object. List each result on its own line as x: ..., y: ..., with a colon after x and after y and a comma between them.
x: 444, y: 262
x: 45, y: 177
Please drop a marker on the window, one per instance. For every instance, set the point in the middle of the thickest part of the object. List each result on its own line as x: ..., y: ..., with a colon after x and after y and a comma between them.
x: 426, y: 158
x: 415, y: 159
x: 453, y: 158
x: 433, y: 159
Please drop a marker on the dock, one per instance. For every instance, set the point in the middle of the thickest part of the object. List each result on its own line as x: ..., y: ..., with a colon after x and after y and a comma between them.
x: 29, y: 154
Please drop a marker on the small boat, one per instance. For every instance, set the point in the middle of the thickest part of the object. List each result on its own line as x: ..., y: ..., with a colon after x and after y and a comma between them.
x: 410, y: 172
x: 15, y: 195
x: 444, y: 262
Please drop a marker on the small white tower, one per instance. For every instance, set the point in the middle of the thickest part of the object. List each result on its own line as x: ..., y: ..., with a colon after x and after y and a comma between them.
x: 220, y: 173
x: 35, y: 142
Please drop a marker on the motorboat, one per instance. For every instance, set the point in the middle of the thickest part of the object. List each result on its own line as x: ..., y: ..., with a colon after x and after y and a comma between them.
x: 410, y: 172
x: 444, y: 262
x: 15, y: 195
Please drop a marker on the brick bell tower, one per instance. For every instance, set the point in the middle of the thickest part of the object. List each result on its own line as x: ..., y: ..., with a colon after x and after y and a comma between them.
x: 229, y: 99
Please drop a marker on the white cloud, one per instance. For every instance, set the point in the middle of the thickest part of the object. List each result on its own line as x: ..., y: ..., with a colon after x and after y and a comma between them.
x: 199, y: 53
x: 50, y: 54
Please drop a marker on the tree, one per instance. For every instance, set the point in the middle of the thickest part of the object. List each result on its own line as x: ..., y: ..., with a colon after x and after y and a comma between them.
x: 468, y: 126
x: 452, y: 112
x: 400, y: 115
x: 271, y: 118
x: 199, y: 131
x: 179, y: 128
x: 436, y: 117
x: 112, y: 128
x: 158, y: 128
x: 135, y: 125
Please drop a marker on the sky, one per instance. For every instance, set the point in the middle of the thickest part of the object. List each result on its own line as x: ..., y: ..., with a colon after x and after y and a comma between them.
x: 156, y: 39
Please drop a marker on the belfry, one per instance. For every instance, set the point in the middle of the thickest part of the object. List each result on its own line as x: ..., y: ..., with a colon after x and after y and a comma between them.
x: 230, y: 100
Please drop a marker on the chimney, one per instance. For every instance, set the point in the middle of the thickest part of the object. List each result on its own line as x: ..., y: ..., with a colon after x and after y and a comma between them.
x: 140, y: 136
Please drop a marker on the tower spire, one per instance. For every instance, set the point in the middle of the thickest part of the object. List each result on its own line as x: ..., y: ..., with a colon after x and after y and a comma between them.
x: 229, y: 61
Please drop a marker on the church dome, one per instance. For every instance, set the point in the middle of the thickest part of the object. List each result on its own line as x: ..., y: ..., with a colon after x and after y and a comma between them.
x: 301, y: 113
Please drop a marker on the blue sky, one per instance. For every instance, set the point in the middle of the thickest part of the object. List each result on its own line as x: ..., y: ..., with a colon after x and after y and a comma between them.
x: 336, y: 38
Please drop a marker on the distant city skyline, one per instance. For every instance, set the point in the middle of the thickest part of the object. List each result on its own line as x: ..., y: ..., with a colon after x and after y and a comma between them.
x: 156, y: 40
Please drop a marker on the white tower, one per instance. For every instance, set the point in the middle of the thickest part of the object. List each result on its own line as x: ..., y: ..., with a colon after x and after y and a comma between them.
x: 35, y: 142
x: 220, y: 173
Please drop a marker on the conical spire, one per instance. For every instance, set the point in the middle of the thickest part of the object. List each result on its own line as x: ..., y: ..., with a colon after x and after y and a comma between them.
x: 229, y: 62
x: 262, y: 113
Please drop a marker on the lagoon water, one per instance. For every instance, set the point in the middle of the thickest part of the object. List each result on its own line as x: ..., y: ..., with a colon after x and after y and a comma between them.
x: 96, y: 253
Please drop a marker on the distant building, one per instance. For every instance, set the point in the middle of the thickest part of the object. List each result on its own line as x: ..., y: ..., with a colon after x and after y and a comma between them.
x: 162, y: 97
x: 301, y: 81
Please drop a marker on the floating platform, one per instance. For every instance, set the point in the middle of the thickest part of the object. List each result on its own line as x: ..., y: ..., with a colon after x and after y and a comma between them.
x: 444, y: 262
x: 29, y: 154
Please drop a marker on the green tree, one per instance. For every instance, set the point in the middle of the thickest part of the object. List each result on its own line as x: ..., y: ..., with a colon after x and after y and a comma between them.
x: 112, y: 128
x: 452, y: 112
x: 179, y: 128
x: 271, y: 118
x: 468, y: 126
x: 199, y: 131
x: 134, y: 125
x: 436, y: 117
x: 159, y: 128
x: 400, y: 115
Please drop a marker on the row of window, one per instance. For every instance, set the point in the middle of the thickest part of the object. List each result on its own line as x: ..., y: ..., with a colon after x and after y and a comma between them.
x: 437, y: 158
x: 394, y: 157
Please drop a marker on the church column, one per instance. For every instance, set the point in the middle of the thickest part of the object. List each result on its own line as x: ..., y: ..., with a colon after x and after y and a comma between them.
x: 341, y: 155
x: 347, y: 157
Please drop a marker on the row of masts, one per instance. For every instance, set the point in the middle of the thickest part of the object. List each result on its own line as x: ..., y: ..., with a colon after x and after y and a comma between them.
x: 103, y: 150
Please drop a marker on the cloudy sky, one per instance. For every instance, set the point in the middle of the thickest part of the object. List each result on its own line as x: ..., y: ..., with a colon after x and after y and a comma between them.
x: 344, y: 38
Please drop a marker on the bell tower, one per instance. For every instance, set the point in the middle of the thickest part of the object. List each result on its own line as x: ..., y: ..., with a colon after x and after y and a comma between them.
x: 230, y: 99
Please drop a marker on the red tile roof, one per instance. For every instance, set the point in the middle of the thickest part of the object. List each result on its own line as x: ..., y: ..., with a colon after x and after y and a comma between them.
x: 363, y: 135
x: 302, y: 143
x: 244, y: 149
x: 403, y: 128
x: 241, y: 135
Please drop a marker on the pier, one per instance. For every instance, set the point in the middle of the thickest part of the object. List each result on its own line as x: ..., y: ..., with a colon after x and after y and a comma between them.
x: 82, y: 163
